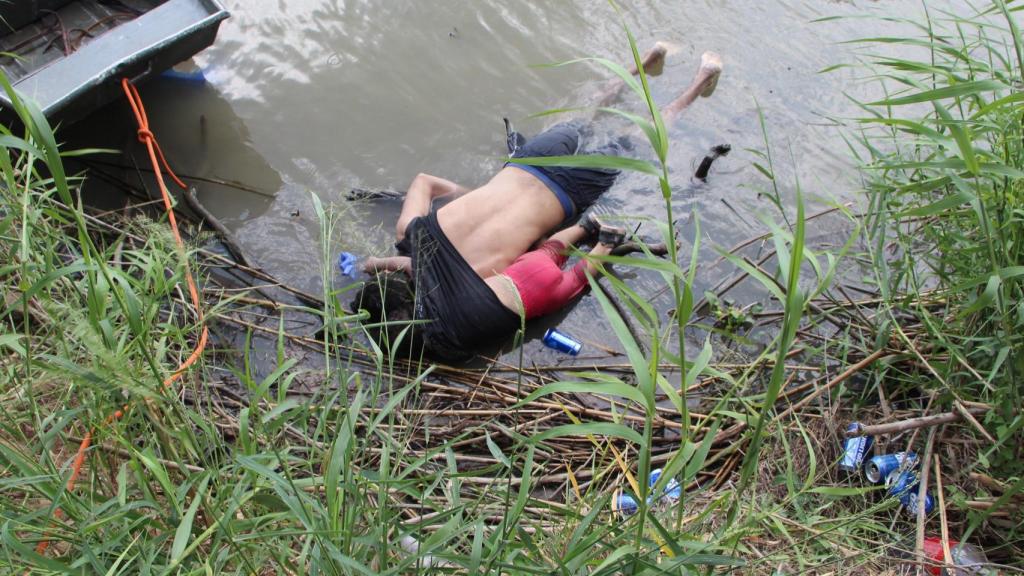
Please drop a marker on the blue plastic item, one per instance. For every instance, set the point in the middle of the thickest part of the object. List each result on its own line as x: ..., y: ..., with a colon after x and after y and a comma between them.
x: 195, y: 77
x: 347, y: 264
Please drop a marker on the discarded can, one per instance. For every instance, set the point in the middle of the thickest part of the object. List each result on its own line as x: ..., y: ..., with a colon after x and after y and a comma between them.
x: 672, y: 490
x: 878, y: 468
x: 855, y: 450
x: 910, y: 502
x: 624, y: 505
x: 967, y: 559
x: 899, y: 483
x: 903, y: 485
x: 561, y: 341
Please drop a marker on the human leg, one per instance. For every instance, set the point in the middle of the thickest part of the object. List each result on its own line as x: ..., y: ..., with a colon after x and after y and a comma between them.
x: 653, y: 62
x: 570, y: 236
x: 704, y: 84
x: 608, y: 237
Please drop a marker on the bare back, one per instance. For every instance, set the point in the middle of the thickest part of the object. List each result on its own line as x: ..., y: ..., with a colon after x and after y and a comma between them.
x: 496, y: 223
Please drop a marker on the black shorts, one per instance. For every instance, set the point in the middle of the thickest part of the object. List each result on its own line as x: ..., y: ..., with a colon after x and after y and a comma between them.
x: 576, y: 188
x: 462, y: 311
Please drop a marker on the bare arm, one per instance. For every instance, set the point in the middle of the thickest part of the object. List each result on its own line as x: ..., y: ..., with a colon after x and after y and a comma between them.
x: 422, y: 192
x: 374, y: 265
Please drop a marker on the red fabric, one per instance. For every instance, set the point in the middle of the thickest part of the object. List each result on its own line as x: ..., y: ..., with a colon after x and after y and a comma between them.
x: 543, y: 286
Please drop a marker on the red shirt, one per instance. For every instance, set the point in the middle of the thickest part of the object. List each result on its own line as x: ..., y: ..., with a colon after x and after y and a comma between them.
x: 542, y: 284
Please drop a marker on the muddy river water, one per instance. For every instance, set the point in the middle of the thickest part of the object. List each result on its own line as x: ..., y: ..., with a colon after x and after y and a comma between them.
x: 319, y: 96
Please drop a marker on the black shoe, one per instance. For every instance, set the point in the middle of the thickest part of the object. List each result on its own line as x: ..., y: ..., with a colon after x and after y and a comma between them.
x: 611, y: 235
x: 514, y: 140
x: 590, y: 224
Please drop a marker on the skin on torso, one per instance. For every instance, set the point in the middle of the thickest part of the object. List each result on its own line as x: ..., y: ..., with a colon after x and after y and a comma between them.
x: 500, y: 221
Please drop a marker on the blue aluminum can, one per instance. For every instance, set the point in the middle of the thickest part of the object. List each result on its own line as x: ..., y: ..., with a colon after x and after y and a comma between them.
x: 855, y: 450
x: 878, y: 468
x: 624, y: 505
x: 673, y: 491
x: 910, y: 501
x: 561, y: 341
x: 899, y: 483
x: 903, y: 485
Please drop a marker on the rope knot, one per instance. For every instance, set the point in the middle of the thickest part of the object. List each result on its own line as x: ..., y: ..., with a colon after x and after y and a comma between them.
x: 145, y: 135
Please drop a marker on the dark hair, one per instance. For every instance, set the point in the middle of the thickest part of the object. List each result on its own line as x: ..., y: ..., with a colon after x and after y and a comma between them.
x: 390, y: 300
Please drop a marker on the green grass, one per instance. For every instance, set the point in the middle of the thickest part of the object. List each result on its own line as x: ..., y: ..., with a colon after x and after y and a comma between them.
x: 392, y: 467
x: 945, y: 189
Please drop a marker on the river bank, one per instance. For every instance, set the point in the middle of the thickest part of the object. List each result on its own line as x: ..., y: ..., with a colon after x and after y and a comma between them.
x: 343, y: 460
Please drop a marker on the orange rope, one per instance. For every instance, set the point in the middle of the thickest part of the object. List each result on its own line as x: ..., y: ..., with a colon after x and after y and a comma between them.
x: 156, y: 156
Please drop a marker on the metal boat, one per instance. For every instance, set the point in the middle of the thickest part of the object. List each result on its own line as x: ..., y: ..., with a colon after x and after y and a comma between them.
x: 70, y: 55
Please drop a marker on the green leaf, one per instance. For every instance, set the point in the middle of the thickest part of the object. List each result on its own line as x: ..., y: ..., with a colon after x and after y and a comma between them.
x: 12, y: 341
x: 629, y: 344
x: 610, y: 387
x: 45, y: 281
x: 768, y: 283
x: 496, y: 451
x: 955, y: 199
x: 613, y: 559
x: 20, y: 144
x: 700, y: 363
x: 987, y: 298
x: 184, y: 530
x: 28, y: 556
x: 962, y: 134
x: 843, y: 491
x: 150, y: 461
x: 955, y: 91
x: 600, y: 161
x: 615, y: 67
x: 696, y: 462
x: 649, y: 130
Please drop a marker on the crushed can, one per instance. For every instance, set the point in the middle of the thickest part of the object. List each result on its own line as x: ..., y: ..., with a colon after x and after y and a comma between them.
x: 903, y: 485
x: 855, y: 450
x: 558, y: 340
x: 878, y: 468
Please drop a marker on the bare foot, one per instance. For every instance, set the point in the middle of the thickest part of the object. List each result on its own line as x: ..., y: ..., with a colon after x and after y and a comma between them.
x: 654, y: 60
x: 709, y: 72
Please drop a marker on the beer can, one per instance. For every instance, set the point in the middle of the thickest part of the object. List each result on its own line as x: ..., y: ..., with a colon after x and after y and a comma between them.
x: 672, y: 491
x: 855, y: 449
x: 900, y: 482
x: 624, y: 505
x: 561, y: 341
x: 910, y: 502
x: 903, y: 485
x: 878, y: 468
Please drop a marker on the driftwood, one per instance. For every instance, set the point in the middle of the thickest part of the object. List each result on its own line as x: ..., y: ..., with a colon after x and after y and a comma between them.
x: 241, y: 186
x: 910, y: 424
x: 627, y: 248
x: 368, y: 194
x: 225, y: 235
